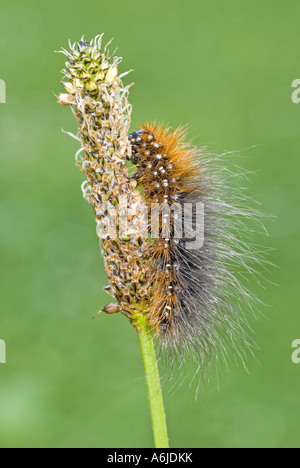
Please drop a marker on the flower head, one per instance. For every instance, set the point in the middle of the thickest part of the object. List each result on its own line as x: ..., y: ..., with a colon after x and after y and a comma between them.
x: 99, y: 102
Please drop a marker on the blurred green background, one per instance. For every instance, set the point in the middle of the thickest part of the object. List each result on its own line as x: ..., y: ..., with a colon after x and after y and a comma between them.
x: 225, y: 67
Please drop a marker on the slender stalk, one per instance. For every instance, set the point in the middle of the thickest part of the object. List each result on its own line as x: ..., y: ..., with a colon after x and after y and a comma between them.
x: 155, y: 397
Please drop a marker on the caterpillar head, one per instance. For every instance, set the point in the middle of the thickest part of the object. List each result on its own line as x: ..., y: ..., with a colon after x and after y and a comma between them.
x: 144, y: 145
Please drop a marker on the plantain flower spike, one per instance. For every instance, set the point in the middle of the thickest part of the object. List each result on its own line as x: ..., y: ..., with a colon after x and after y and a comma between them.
x: 99, y: 101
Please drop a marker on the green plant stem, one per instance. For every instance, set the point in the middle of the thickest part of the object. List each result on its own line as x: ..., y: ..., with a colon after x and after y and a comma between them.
x: 156, y: 403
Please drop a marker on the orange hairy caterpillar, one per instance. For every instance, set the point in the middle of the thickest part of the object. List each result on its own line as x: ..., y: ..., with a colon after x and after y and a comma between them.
x: 196, y: 301
x: 181, y: 274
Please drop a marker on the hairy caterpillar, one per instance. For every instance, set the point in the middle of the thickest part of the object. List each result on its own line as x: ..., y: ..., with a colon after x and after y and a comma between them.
x: 191, y: 294
x: 197, y: 302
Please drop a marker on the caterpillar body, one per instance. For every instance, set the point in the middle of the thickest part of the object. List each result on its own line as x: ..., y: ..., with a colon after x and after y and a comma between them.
x: 196, y: 301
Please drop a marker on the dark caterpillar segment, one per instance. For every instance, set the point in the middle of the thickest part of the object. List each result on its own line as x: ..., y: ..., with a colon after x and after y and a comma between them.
x: 154, y: 168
